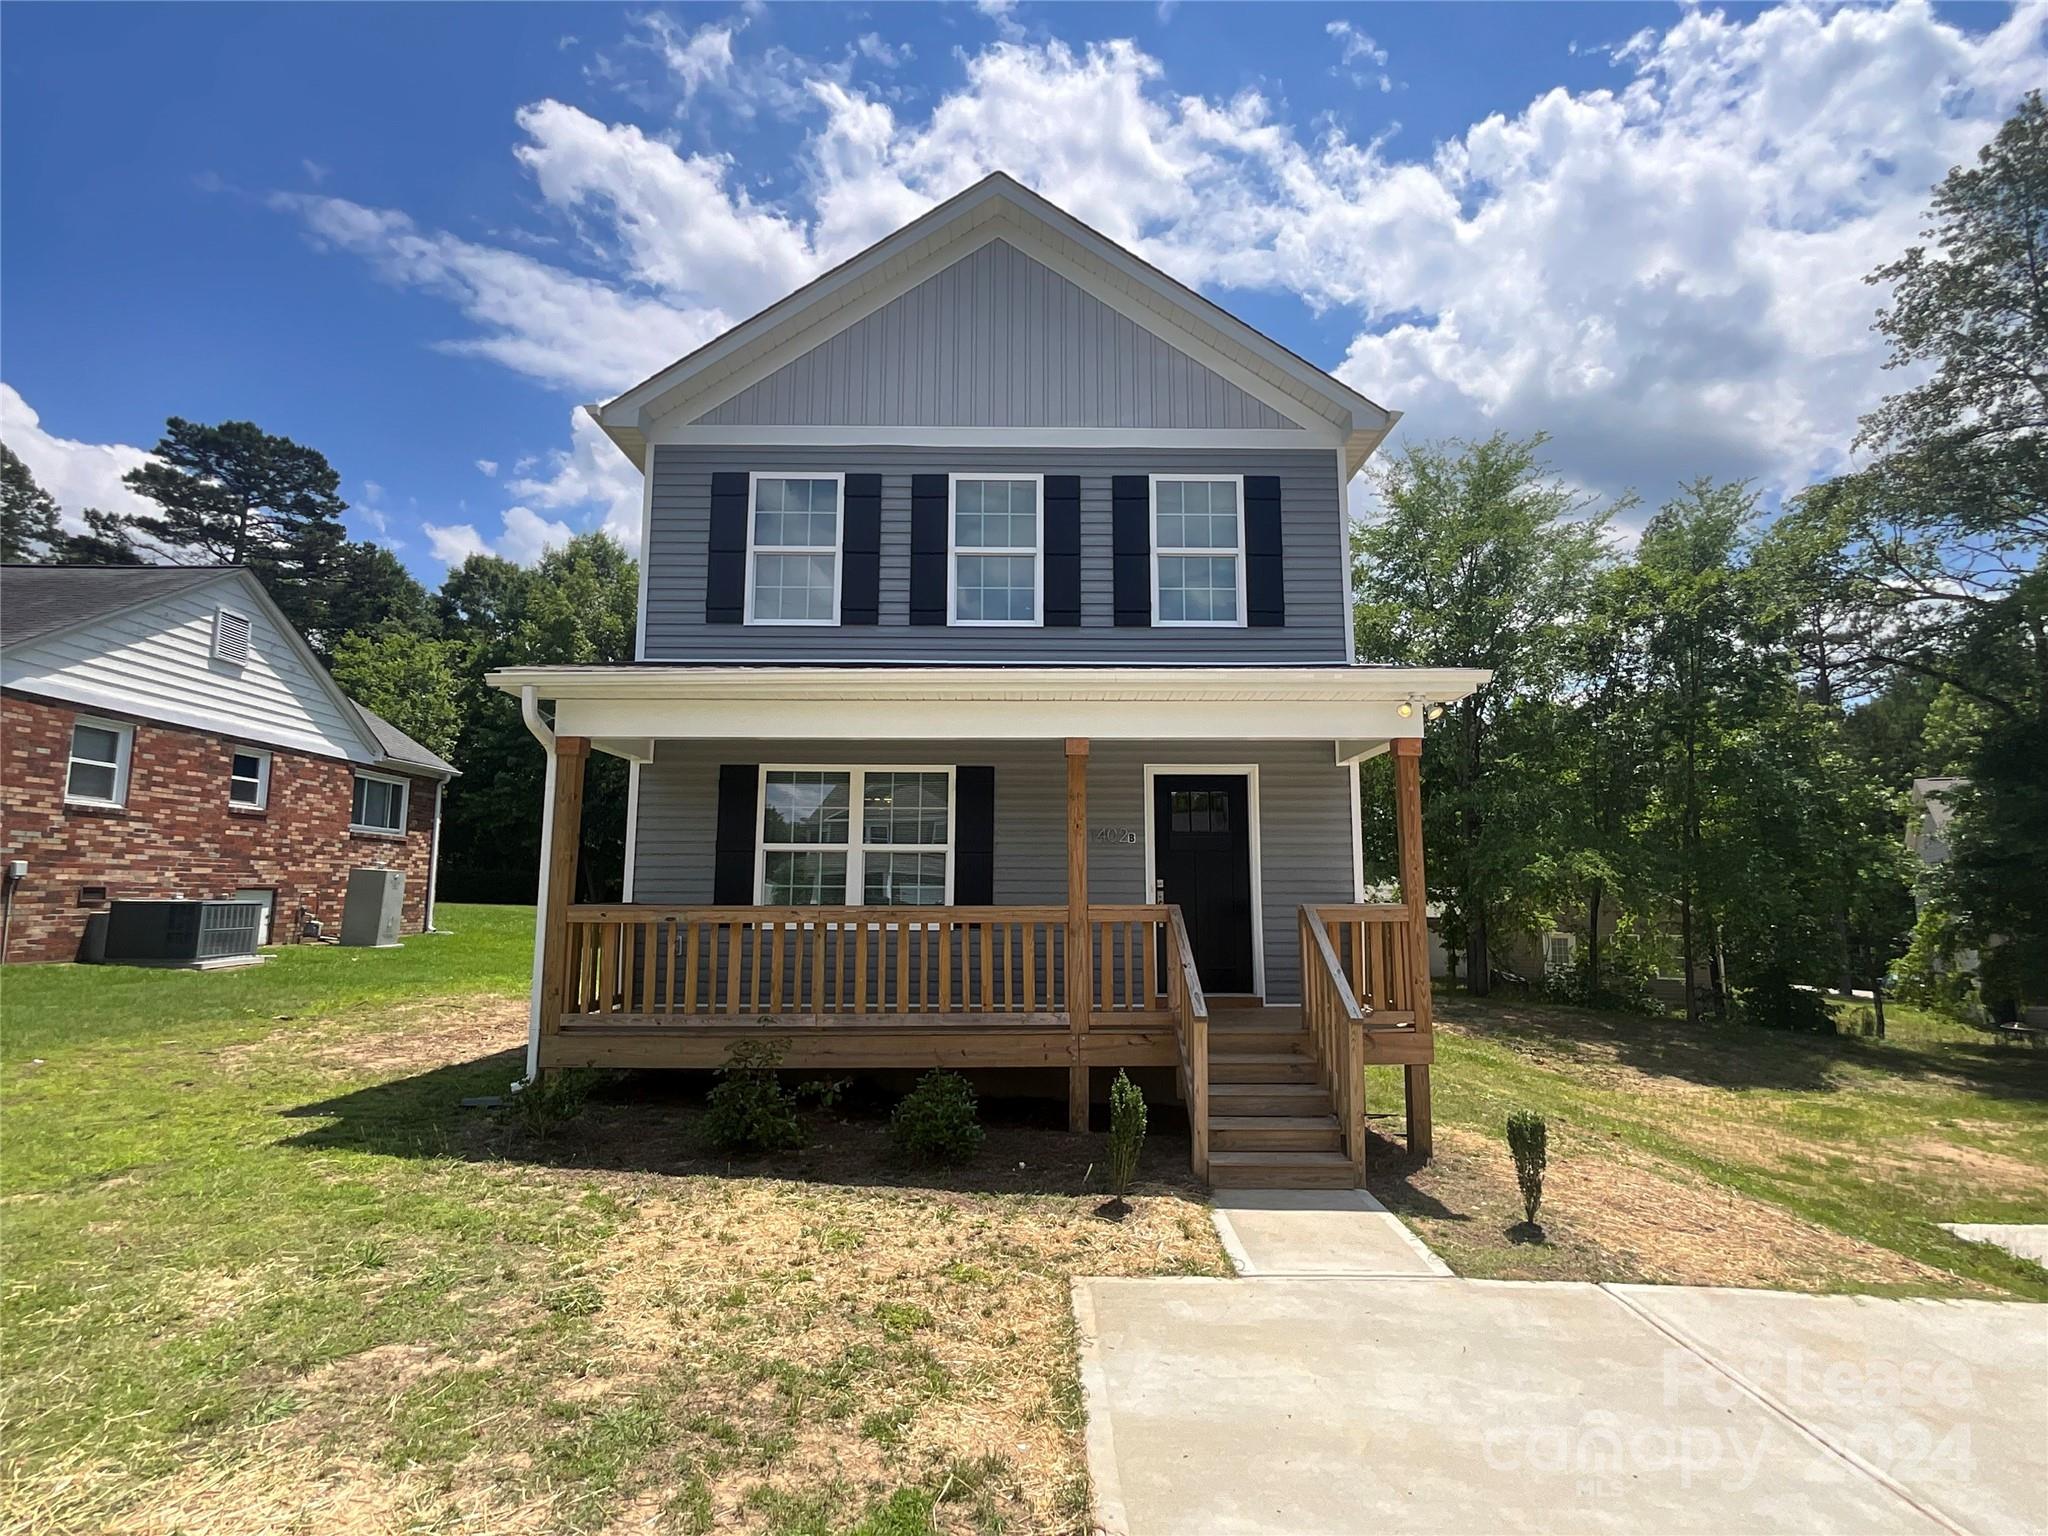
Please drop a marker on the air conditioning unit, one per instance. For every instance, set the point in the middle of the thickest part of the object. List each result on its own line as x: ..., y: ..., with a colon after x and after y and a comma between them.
x: 373, y: 915
x: 194, y: 933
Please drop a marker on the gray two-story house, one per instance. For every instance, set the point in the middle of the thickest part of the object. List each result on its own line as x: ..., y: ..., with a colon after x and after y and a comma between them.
x: 995, y: 703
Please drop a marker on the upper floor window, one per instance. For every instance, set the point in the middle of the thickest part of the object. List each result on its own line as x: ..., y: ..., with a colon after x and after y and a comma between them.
x: 249, y: 778
x: 378, y: 804
x: 98, y: 770
x: 793, y: 540
x: 881, y: 837
x: 996, y: 575
x: 1198, y: 549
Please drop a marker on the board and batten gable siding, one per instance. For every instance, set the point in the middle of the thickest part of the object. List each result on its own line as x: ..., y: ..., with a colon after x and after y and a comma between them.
x: 996, y: 339
x: 1313, y: 552
x: 1304, y: 820
x: 156, y: 660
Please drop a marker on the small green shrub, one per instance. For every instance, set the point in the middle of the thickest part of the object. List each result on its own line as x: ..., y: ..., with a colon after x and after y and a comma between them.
x: 935, y: 1121
x: 543, y: 1109
x: 1931, y: 972
x: 749, y: 1110
x: 1628, y: 966
x: 1771, y: 1001
x: 1126, y: 1133
x: 1529, y: 1143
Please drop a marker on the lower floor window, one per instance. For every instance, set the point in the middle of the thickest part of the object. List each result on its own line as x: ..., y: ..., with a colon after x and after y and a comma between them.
x: 378, y: 806
x: 249, y: 778
x: 881, y: 837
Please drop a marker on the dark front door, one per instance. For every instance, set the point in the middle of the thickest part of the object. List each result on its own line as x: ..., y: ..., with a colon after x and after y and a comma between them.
x: 1202, y: 854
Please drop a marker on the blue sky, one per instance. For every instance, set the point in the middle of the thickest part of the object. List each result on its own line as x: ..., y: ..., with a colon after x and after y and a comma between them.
x: 416, y: 237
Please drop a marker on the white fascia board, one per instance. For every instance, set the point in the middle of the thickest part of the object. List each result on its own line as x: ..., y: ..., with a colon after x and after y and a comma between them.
x: 838, y: 719
x: 930, y: 703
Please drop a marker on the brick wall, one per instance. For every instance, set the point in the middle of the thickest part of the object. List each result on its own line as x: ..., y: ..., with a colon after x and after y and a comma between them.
x: 178, y: 837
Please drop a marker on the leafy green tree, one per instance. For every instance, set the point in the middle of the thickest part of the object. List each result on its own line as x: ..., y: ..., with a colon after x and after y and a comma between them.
x: 410, y: 679
x: 367, y: 590
x: 28, y: 513
x: 1479, y: 557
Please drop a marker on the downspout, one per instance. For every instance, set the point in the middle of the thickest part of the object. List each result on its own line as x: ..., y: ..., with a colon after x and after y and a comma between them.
x: 434, y: 855
x: 529, y: 711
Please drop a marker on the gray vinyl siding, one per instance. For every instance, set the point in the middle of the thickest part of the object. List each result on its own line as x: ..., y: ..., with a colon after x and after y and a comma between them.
x: 1314, y: 561
x: 1304, y: 820
x: 997, y: 339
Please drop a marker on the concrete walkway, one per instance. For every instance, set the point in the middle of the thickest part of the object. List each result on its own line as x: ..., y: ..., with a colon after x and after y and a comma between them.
x: 1427, y: 1404
x: 1318, y: 1232
x: 2024, y: 1241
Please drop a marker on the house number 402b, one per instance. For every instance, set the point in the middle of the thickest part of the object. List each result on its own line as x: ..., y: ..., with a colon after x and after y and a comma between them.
x: 1116, y: 835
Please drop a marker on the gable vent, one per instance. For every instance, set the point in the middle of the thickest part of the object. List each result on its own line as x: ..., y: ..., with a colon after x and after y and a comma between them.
x: 230, y: 637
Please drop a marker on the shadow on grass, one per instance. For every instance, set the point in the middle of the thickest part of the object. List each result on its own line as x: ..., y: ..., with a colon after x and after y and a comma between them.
x: 1390, y: 1170
x: 646, y: 1123
x: 1739, y: 1056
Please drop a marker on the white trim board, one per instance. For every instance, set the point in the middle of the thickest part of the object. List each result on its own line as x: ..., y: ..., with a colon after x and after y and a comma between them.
x: 1250, y: 773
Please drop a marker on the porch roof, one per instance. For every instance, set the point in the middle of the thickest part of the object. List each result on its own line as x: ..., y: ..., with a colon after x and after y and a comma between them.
x: 654, y: 700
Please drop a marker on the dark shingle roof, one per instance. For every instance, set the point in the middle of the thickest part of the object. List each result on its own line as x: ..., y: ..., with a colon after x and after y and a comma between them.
x: 37, y: 600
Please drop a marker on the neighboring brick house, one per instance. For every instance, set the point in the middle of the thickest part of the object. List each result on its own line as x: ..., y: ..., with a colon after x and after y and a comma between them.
x: 165, y: 732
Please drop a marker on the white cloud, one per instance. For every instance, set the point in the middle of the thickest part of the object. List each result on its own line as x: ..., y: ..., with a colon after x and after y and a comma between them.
x: 1362, y: 60
x: 488, y: 468
x: 1004, y: 14
x: 591, y: 475
x: 696, y: 59
x: 77, y: 475
x: 1665, y: 275
x: 524, y: 537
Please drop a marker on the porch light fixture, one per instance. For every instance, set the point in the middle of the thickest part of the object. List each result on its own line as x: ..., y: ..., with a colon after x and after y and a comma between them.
x: 1436, y: 712
x: 1405, y: 708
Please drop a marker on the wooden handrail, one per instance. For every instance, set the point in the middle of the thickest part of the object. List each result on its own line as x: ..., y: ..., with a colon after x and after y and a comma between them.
x: 1375, y: 954
x: 1191, y: 1018
x: 1336, y: 1021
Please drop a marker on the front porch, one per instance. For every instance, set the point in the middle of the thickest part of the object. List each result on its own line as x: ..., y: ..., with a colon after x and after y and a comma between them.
x: 1272, y: 1074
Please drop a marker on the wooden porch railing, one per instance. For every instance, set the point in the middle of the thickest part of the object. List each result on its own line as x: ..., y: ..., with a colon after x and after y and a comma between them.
x: 1336, y: 1031
x: 1191, y: 1030
x: 1374, y: 948
x: 657, y: 963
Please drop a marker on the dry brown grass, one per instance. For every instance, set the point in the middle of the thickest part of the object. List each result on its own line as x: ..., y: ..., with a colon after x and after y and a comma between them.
x: 1619, y: 1214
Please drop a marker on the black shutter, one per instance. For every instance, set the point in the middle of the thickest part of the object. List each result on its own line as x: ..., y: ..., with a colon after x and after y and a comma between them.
x: 974, y: 837
x: 739, y: 804
x: 1130, y: 514
x: 1265, y: 579
x: 927, y: 549
x: 860, y: 579
x: 1063, y: 549
x: 725, y: 572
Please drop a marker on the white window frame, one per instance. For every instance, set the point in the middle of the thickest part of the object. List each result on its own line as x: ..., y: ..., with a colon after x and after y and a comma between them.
x: 1571, y: 950
x: 404, y: 805
x: 837, y: 549
x: 1237, y: 551
x: 1036, y: 551
x: 124, y: 753
x: 856, y: 847
x: 262, y: 800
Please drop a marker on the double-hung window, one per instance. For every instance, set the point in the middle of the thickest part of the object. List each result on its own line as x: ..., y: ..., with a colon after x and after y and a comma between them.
x: 996, y: 575
x: 248, y: 778
x: 1198, y: 549
x: 878, y: 837
x: 378, y: 805
x: 98, y: 771
x: 793, y: 541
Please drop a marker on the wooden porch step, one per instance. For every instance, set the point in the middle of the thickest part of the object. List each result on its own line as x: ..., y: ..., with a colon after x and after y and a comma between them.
x: 1262, y: 1067
x: 1268, y: 1099
x: 1251, y: 1028
x: 1281, y: 1170
x: 1274, y: 1133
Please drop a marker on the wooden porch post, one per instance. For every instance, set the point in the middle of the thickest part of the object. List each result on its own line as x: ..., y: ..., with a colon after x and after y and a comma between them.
x: 1415, y: 894
x: 1080, y: 942
x: 565, y: 837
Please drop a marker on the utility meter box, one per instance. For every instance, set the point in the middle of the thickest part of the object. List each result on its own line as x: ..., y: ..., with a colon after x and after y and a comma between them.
x: 374, y: 912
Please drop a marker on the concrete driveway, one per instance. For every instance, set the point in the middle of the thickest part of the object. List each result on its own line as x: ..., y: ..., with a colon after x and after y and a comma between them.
x: 1328, y: 1405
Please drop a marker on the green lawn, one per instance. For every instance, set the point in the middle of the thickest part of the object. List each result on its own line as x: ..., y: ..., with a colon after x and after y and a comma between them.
x: 1733, y: 1155
x: 264, y: 1273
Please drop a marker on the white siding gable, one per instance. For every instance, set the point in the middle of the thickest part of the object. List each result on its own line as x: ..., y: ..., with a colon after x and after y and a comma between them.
x: 156, y: 661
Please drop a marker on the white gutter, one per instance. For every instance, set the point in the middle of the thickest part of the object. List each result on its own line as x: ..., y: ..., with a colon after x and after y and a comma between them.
x: 529, y: 711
